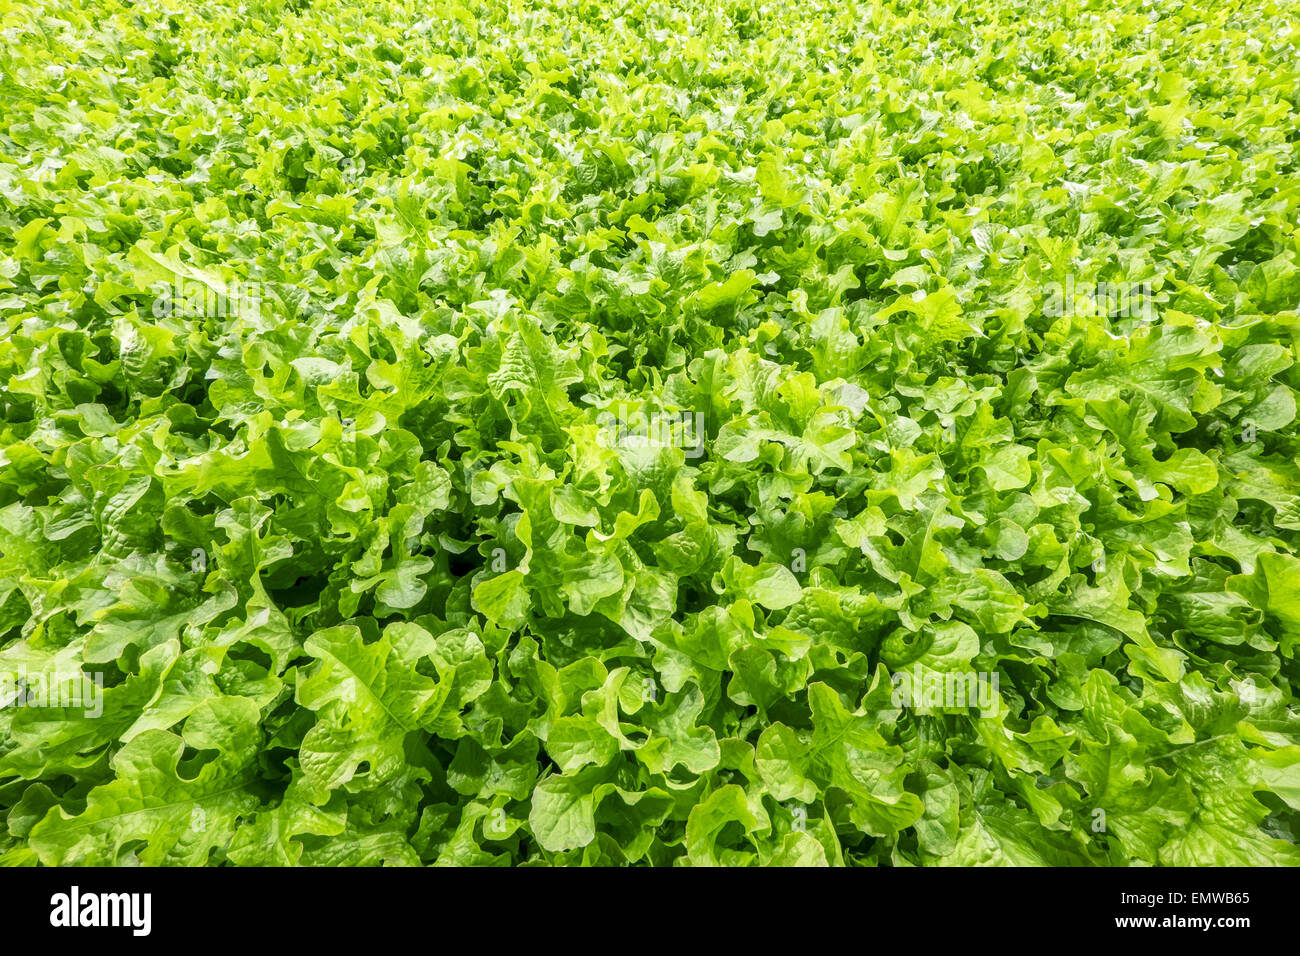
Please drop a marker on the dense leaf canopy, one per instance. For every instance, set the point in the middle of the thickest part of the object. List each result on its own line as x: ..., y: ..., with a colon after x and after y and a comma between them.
x: 493, y: 433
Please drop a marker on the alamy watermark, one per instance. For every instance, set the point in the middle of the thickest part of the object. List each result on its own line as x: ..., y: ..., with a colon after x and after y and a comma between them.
x: 195, y: 299
x: 1111, y: 299
x: 673, y: 429
x: 133, y: 911
x: 927, y: 688
x: 75, y: 690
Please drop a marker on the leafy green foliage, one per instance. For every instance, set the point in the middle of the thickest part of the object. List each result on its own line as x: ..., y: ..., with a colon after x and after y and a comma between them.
x: 314, y: 319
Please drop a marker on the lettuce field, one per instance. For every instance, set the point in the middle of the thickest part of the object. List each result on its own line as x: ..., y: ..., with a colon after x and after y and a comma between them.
x: 582, y: 433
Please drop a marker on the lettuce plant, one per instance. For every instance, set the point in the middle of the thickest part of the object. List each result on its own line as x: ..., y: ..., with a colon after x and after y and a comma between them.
x: 573, y: 433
